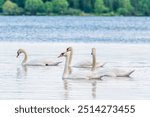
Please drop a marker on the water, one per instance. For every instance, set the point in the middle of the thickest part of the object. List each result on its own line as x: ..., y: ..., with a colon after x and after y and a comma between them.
x: 126, y: 45
x: 75, y: 29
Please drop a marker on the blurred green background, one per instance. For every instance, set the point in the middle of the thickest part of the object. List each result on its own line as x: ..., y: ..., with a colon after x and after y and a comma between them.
x: 76, y: 7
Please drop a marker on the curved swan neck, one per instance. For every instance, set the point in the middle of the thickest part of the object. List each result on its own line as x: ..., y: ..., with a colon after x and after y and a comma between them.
x: 25, y: 57
x: 94, y: 62
x: 66, y: 69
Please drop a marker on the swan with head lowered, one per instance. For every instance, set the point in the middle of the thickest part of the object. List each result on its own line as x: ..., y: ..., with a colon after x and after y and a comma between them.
x: 25, y: 61
x: 83, y: 64
x: 110, y: 72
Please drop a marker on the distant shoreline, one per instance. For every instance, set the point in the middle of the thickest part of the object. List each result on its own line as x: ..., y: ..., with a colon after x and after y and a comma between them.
x: 84, y: 15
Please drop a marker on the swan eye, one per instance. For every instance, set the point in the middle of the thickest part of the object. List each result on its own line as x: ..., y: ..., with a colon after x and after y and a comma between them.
x: 68, y: 49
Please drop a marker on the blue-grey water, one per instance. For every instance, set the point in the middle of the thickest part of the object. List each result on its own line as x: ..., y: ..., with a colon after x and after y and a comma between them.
x: 75, y: 29
x: 121, y: 42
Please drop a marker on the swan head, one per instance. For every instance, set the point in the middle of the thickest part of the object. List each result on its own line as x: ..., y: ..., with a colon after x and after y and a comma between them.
x: 69, y: 49
x: 19, y: 52
x: 64, y: 54
x: 93, y: 51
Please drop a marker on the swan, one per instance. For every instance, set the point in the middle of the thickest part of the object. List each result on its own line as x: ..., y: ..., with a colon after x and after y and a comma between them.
x: 80, y: 75
x: 35, y: 62
x: 84, y: 64
x: 93, y: 73
x: 110, y: 72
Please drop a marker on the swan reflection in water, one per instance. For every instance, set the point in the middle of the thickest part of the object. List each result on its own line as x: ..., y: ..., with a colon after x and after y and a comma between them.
x: 67, y: 88
x: 22, y: 72
x: 94, y: 89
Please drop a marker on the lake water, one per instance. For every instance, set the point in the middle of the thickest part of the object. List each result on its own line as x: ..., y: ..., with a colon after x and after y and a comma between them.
x: 121, y: 42
x: 75, y: 29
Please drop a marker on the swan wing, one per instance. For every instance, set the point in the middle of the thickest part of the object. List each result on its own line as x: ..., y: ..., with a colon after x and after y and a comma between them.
x: 43, y: 62
x: 114, y: 72
x: 83, y: 64
x: 122, y: 72
x: 87, y: 64
x: 105, y: 72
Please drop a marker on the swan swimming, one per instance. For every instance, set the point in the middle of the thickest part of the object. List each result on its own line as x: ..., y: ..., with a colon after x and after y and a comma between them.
x: 110, y: 72
x: 35, y: 62
x: 84, y: 64
x: 94, y: 73
x: 80, y: 75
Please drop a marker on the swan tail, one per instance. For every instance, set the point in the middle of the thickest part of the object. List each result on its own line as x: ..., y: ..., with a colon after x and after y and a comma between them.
x: 103, y: 64
x: 58, y: 63
x: 131, y: 72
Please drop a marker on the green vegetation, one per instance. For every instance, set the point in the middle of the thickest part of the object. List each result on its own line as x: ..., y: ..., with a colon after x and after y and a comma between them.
x: 75, y: 7
x: 59, y: 6
x: 10, y: 8
x: 34, y: 6
x: 48, y: 7
x: 1, y: 3
x: 100, y: 7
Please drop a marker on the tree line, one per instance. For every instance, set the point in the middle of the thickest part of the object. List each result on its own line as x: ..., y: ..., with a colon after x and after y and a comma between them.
x: 75, y: 7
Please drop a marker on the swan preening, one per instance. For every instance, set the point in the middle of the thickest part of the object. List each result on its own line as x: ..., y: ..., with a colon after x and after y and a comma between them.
x: 83, y: 64
x: 41, y: 62
x: 94, y: 73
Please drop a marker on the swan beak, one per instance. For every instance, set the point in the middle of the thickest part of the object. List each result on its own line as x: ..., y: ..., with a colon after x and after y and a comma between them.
x: 61, y: 55
x: 17, y: 55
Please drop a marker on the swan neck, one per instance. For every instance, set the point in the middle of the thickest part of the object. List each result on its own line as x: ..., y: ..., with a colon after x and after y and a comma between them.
x: 70, y: 59
x: 94, y: 63
x: 66, y: 70
x: 25, y: 57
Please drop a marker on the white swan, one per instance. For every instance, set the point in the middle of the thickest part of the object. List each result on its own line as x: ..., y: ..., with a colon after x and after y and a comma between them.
x: 83, y: 64
x: 35, y: 62
x: 80, y: 75
x: 112, y: 72
x: 93, y: 74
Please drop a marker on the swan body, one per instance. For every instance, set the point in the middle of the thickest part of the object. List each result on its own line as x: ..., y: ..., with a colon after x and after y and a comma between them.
x: 114, y: 72
x: 111, y: 72
x: 42, y: 62
x: 83, y: 64
x: 82, y: 75
x: 121, y: 72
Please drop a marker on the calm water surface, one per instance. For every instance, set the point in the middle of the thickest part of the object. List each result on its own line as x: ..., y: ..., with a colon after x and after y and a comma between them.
x: 120, y: 42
